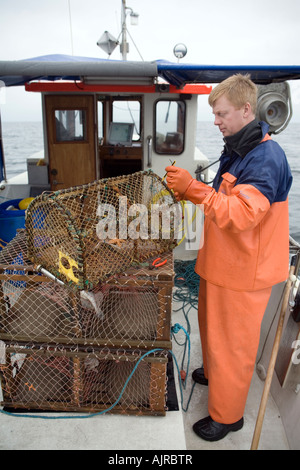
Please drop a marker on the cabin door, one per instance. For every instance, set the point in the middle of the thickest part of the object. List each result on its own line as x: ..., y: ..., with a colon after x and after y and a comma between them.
x: 71, y: 140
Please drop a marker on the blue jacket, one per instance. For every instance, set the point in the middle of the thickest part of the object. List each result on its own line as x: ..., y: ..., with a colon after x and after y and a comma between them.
x: 264, y: 166
x: 246, y: 227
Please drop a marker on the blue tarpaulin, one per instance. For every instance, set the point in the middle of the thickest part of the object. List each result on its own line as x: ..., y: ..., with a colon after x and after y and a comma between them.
x: 179, y: 74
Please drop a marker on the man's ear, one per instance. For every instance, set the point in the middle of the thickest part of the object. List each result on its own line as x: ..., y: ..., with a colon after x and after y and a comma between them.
x: 247, y: 110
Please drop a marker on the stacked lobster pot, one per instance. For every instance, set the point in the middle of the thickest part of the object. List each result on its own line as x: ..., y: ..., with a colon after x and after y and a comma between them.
x: 85, y: 320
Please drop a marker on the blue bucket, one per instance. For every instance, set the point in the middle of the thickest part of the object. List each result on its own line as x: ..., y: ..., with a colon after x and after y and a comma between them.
x: 10, y: 220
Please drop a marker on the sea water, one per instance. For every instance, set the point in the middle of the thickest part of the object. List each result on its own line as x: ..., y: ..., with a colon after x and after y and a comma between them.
x: 22, y: 139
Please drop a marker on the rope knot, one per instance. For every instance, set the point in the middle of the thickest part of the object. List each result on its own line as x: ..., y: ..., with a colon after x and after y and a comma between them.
x: 175, y: 328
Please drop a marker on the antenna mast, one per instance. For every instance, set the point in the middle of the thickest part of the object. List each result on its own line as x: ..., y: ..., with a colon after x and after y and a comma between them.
x: 124, y: 46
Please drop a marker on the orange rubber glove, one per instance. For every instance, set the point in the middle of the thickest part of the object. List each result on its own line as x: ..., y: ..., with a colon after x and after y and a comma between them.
x: 179, y: 180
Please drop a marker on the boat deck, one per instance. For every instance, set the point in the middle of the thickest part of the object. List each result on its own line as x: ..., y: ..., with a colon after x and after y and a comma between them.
x: 113, y: 432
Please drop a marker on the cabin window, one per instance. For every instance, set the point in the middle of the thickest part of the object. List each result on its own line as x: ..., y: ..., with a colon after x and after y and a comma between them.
x: 70, y: 125
x: 127, y: 111
x: 169, y: 127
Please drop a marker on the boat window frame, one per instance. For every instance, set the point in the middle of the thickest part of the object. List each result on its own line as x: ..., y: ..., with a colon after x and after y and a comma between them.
x: 170, y: 151
x: 100, y: 122
x: 85, y: 124
x: 128, y: 98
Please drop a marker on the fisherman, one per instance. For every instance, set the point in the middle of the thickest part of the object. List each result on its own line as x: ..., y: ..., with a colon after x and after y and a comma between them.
x: 245, y: 250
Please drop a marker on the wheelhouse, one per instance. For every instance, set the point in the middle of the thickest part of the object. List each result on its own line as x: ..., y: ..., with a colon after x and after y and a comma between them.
x: 95, y: 131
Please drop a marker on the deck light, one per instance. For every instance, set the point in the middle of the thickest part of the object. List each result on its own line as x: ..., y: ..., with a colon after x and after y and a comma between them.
x: 134, y: 18
x: 274, y: 106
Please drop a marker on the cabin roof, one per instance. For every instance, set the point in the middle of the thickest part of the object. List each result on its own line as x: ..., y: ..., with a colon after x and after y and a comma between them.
x: 64, y: 67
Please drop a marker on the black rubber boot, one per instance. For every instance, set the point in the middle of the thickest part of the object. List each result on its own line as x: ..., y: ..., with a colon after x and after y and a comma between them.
x: 199, y: 377
x: 210, y: 430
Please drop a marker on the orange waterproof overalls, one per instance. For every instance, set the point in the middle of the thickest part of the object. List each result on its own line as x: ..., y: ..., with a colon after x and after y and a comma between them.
x: 245, y: 252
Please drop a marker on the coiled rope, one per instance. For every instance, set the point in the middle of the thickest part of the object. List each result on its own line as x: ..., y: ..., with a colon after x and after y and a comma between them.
x: 187, y: 287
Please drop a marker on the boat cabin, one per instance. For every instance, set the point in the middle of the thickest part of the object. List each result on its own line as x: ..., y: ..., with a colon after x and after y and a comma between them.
x: 104, y: 118
x: 94, y: 130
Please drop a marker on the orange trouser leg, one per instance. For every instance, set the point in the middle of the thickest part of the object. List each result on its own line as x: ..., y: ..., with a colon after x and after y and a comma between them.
x: 229, y: 323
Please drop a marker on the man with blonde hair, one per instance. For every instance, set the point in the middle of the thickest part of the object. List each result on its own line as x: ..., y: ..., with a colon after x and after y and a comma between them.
x: 245, y: 251
x: 238, y: 89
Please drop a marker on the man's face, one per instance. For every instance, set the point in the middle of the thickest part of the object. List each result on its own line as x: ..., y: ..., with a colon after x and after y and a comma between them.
x: 229, y: 119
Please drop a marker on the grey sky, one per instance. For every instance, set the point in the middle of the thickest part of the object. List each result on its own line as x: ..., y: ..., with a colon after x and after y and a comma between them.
x: 215, y: 32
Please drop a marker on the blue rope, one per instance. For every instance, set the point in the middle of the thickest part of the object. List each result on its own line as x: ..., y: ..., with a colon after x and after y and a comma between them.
x: 182, y: 383
x: 175, y: 329
x: 187, y: 283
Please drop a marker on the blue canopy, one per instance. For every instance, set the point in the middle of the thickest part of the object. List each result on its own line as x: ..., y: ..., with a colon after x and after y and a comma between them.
x: 180, y: 74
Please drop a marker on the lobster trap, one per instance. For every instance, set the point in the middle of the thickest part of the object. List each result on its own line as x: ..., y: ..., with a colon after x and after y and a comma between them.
x: 132, y: 309
x: 90, y: 331
x: 45, y: 377
x: 86, y: 234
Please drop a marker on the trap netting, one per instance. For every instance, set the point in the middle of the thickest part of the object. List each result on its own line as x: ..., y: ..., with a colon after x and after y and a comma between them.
x: 132, y: 309
x: 59, y: 378
x: 84, y: 235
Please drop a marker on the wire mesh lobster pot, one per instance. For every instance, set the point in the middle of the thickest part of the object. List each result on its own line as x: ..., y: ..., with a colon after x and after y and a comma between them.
x: 86, y: 234
x: 47, y: 377
x: 132, y: 309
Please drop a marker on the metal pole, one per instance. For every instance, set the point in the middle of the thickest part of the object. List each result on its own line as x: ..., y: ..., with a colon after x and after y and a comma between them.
x: 124, y: 38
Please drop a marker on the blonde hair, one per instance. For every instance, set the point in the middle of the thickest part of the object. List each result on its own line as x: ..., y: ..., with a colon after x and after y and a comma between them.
x: 238, y: 89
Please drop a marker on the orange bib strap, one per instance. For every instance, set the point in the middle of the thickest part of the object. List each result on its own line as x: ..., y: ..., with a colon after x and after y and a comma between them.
x: 266, y: 137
